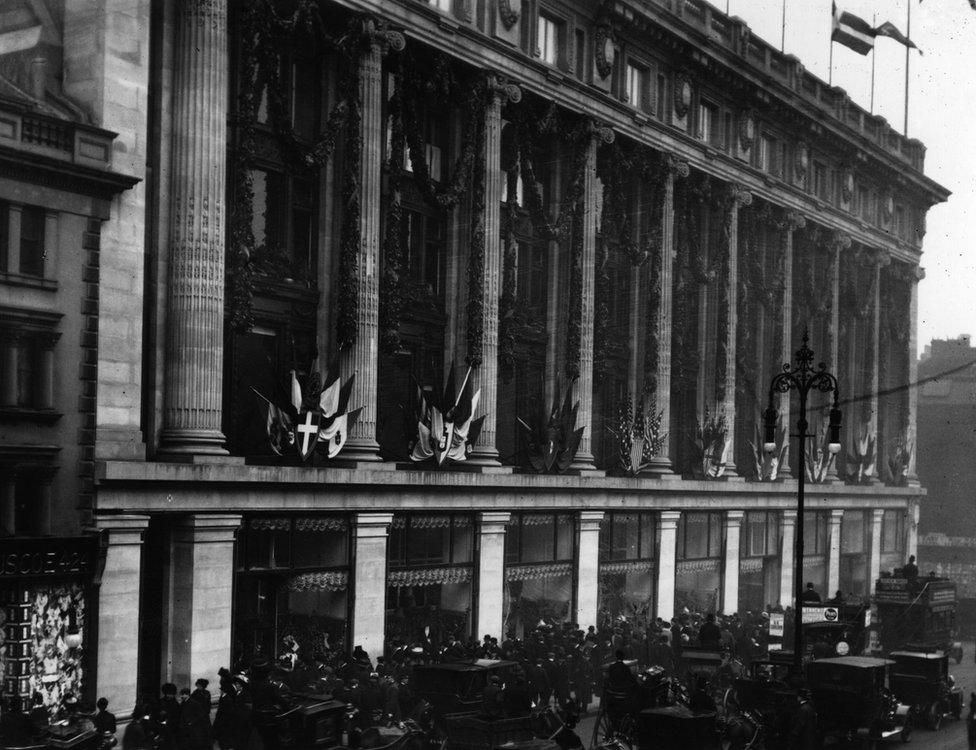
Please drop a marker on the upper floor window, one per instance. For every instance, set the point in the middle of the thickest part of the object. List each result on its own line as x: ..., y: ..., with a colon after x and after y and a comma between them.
x: 27, y: 341
x: 821, y: 185
x: 761, y: 534
x: 769, y: 155
x: 636, y: 86
x: 424, y: 244
x: 661, y: 96
x: 22, y: 236
x: 547, y: 39
x: 700, y: 535
x: 901, y: 225
x: 709, y: 128
x: 539, y: 538
x: 444, y: 5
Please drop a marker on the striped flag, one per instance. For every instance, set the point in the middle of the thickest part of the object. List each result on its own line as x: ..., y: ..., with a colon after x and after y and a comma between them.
x: 853, y: 31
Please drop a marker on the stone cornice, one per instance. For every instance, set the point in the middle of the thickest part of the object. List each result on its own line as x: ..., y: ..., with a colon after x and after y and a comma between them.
x: 54, y: 173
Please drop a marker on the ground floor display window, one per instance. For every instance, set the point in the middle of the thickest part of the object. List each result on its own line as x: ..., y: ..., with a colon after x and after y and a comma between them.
x: 430, y: 578
x: 292, y: 585
x: 854, y: 544
x: 759, y: 562
x: 627, y: 568
x: 46, y: 586
x: 815, y: 572
x: 539, y: 570
x: 698, y: 570
x: 816, y: 541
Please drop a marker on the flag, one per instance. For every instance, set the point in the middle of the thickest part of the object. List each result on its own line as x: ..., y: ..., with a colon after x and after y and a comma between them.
x: 888, y: 29
x: 852, y: 31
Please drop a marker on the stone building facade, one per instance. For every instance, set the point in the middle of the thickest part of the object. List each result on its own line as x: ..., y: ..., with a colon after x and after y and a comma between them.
x: 640, y: 202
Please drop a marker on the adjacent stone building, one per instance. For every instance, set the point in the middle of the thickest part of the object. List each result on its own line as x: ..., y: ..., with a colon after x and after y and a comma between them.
x: 639, y: 203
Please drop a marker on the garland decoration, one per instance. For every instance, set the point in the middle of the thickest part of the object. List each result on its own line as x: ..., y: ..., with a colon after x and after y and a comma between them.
x: 511, y: 320
x: 350, y: 233
x: 265, y: 31
x: 391, y: 282
x: 476, y: 255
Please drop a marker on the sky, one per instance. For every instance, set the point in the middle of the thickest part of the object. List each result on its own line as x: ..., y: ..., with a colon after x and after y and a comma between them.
x: 941, y: 113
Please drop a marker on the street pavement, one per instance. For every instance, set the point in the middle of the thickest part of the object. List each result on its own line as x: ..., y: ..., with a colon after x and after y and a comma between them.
x: 952, y: 735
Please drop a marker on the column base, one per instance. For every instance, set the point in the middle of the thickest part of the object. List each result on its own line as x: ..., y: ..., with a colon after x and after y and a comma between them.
x: 583, y: 471
x: 484, y: 456
x: 584, y: 462
x: 362, y: 451
x: 192, y: 443
x: 351, y: 463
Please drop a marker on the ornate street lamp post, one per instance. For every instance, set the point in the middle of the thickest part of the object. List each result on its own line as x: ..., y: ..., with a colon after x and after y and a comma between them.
x: 802, y: 377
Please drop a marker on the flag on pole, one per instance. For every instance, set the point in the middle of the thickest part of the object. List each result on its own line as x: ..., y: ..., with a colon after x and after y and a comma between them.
x: 852, y: 31
x: 888, y: 29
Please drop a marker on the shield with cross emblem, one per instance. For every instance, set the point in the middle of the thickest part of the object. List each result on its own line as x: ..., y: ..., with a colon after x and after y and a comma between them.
x: 307, y: 433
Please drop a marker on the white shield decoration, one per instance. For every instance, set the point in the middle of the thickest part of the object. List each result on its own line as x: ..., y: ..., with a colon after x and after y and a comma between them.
x: 307, y: 433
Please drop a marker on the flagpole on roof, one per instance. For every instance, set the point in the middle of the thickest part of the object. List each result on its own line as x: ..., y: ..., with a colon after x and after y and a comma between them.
x: 782, y: 37
x: 908, y: 33
x: 874, y: 22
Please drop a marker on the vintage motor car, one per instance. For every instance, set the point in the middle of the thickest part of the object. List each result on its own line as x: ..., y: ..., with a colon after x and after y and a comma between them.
x: 852, y: 699
x: 921, y: 680
x: 458, y: 687
x: 677, y: 728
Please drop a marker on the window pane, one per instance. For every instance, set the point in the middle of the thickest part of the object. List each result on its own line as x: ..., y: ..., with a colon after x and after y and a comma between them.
x: 696, y: 535
x: 27, y: 374
x: 32, y: 241
x: 268, y: 548
x: 716, y: 533
x: 811, y: 545
x: 565, y: 537
x: 305, y: 97
x: 538, y: 538
x: 4, y: 236
x: 319, y: 548
x: 463, y: 537
x: 852, y: 532
x: 647, y: 539
x: 547, y: 39
x: 512, y: 534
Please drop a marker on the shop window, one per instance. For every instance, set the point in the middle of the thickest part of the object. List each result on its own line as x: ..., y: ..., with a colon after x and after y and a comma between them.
x: 760, y: 535
x: 814, y: 533
x: 700, y: 535
x: 627, y: 536
x: 852, y: 530
x: 893, y: 531
x: 539, y: 575
x: 548, y: 39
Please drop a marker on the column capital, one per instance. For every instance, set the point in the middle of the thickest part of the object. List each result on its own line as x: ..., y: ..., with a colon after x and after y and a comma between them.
x: 493, y: 522
x: 836, y: 515
x: 376, y: 32
x: 203, y: 528
x: 677, y: 167
x: 123, y: 529
x: 795, y: 220
x: 589, y: 520
x: 919, y: 273
x: 504, y: 88
x: 739, y: 195
x: 669, y: 519
x: 789, y: 517
x: 601, y: 132
x: 375, y: 525
x: 840, y: 240
x: 734, y: 517
x: 877, y: 515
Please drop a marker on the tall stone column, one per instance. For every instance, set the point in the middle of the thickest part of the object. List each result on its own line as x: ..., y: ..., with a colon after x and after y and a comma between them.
x: 874, y: 561
x: 193, y: 392
x: 584, y: 385
x: 370, y: 531
x: 661, y: 463
x: 794, y: 223
x: 738, y: 197
x: 879, y: 259
x: 485, y: 375
x: 911, y: 527
x: 667, y: 550
x: 117, y: 647
x: 833, y: 554
x: 838, y: 243
x: 730, y: 584
x: 201, y: 604
x: 588, y: 568
x: 912, y: 427
x: 361, y: 358
x: 491, y: 573
x: 788, y: 528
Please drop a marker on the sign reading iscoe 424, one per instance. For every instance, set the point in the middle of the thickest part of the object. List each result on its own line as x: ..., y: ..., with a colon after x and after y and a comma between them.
x: 52, y: 557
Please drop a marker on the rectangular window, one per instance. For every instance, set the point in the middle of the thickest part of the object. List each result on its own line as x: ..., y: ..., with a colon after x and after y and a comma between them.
x: 820, y: 187
x: 305, y: 90
x: 661, y: 97
x: 636, y: 77
x: 32, y: 241
x: 700, y: 535
x: 852, y: 530
x: 27, y: 373
x: 547, y: 40
x: 708, y: 124
x: 893, y: 531
x: 814, y: 533
x: 580, y: 54
x: 770, y: 155
x: 760, y: 537
x: 424, y: 246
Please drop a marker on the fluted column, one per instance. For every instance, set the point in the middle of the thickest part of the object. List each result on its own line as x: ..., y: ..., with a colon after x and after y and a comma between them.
x: 485, y: 375
x: 794, y: 222
x: 738, y: 198
x: 584, y: 384
x: 730, y: 583
x: 667, y: 550
x: 361, y: 357
x: 787, y: 561
x: 912, y: 421
x: 195, y: 294
x: 661, y: 463
x: 588, y: 568
x: 834, y: 549
x: 491, y: 573
x: 878, y: 260
x: 838, y: 243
